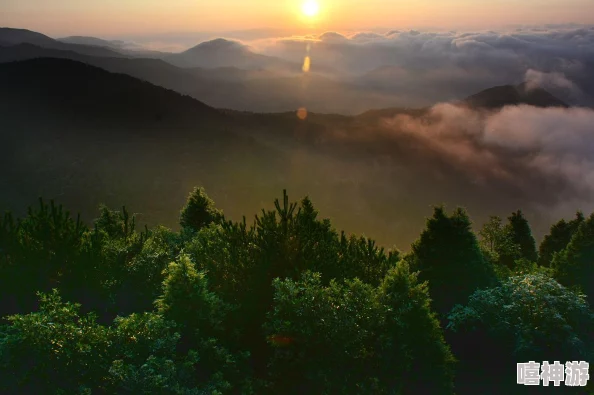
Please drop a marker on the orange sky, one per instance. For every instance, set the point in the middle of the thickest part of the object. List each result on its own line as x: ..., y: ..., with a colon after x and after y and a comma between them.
x: 115, y: 17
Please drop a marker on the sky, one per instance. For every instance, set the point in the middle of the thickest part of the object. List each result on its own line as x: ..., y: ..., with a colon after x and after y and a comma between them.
x: 116, y: 18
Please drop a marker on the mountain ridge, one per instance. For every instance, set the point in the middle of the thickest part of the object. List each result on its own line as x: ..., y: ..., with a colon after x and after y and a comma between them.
x: 505, y: 95
x: 12, y: 36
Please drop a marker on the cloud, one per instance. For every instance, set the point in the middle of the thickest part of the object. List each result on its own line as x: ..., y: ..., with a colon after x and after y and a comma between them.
x: 558, y: 57
x: 540, y: 160
x: 520, y: 148
x: 557, y: 83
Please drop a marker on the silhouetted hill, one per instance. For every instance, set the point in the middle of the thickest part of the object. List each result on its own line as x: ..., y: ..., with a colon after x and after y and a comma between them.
x: 155, y: 71
x: 225, y: 53
x: 98, y: 42
x: 123, y: 47
x: 509, y: 95
x: 19, y: 36
x: 90, y: 93
x: 9, y: 36
x: 83, y: 135
x: 230, y: 87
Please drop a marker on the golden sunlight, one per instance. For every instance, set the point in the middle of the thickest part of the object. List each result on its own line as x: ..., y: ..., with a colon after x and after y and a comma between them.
x: 310, y: 8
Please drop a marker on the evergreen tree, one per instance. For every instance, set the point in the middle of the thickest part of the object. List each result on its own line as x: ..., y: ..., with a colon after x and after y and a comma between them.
x: 449, y: 258
x: 574, y: 266
x: 498, y: 244
x: 199, y: 211
x: 522, y: 235
x: 352, y: 338
x: 526, y: 318
x: 560, y: 235
x: 37, y: 253
x: 187, y: 301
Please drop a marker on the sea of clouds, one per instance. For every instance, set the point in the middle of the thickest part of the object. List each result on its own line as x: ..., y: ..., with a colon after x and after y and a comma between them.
x: 446, y: 65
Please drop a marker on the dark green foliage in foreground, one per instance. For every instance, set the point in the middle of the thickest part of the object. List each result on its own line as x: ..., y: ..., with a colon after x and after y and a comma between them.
x: 558, y: 238
x: 354, y: 338
x: 57, y: 350
x: 284, y: 304
x: 448, y: 256
x: 526, y: 318
x: 498, y: 244
x: 574, y: 265
x: 521, y: 235
x: 38, y: 252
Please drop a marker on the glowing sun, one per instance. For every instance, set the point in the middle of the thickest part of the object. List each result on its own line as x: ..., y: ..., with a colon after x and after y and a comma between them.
x: 310, y: 8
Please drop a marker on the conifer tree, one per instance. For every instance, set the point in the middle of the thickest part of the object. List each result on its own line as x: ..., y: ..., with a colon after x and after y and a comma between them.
x: 187, y: 301
x: 574, y: 266
x: 558, y: 238
x: 522, y: 235
x: 199, y: 211
x: 449, y: 258
x: 498, y: 244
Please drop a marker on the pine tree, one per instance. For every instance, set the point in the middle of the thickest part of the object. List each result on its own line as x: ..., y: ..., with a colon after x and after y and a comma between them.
x: 574, y: 266
x: 497, y: 242
x: 522, y: 236
x: 449, y: 258
x: 199, y: 211
x: 187, y: 301
x: 558, y: 238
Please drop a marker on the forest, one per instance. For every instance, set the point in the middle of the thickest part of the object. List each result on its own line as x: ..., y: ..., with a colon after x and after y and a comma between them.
x: 285, y: 303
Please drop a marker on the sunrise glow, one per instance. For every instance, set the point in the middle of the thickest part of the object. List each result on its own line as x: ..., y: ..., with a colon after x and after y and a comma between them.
x: 310, y: 8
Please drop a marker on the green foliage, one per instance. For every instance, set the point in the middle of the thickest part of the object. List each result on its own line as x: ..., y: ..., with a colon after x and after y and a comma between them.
x: 241, y: 262
x: 54, y: 348
x: 498, y: 244
x: 147, y: 360
x: 199, y: 211
x: 354, y: 338
x: 187, y: 301
x: 36, y: 254
x: 574, y: 266
x: 448, y: 256
x: 521, y: 235
x: 284, y: 305
x: 558, y: 238
x: 536, y: 314
x: 527, y: 318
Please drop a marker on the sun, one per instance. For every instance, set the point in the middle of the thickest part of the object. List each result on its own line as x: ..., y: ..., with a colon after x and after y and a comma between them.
x: 310, y: 8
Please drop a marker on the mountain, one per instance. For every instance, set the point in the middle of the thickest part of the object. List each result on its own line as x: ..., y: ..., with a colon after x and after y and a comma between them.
x: 98, y: 42
x: 85, y: 136
x: 9, y: 36
x: 123, y: 47
x: 115, y: 97
x: 509, y: 95
x: 226, y: 53
x: 229, y: 87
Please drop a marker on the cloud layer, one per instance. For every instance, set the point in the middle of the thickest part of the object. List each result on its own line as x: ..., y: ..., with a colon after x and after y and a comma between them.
x: 444, y: 65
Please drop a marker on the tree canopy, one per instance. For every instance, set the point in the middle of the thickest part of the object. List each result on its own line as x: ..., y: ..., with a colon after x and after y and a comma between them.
x: 284, y: 303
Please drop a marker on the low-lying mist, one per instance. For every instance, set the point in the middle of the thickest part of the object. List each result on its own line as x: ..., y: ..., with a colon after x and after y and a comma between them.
x: 376, y: 174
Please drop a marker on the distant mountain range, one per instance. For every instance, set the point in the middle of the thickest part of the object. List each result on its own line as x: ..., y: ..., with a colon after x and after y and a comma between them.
x: 263, y: 90
x: 123, y: 47
x: 10, y: 36
x: 227, y: 87
x: 227, y: 74
x: 224, y: 53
